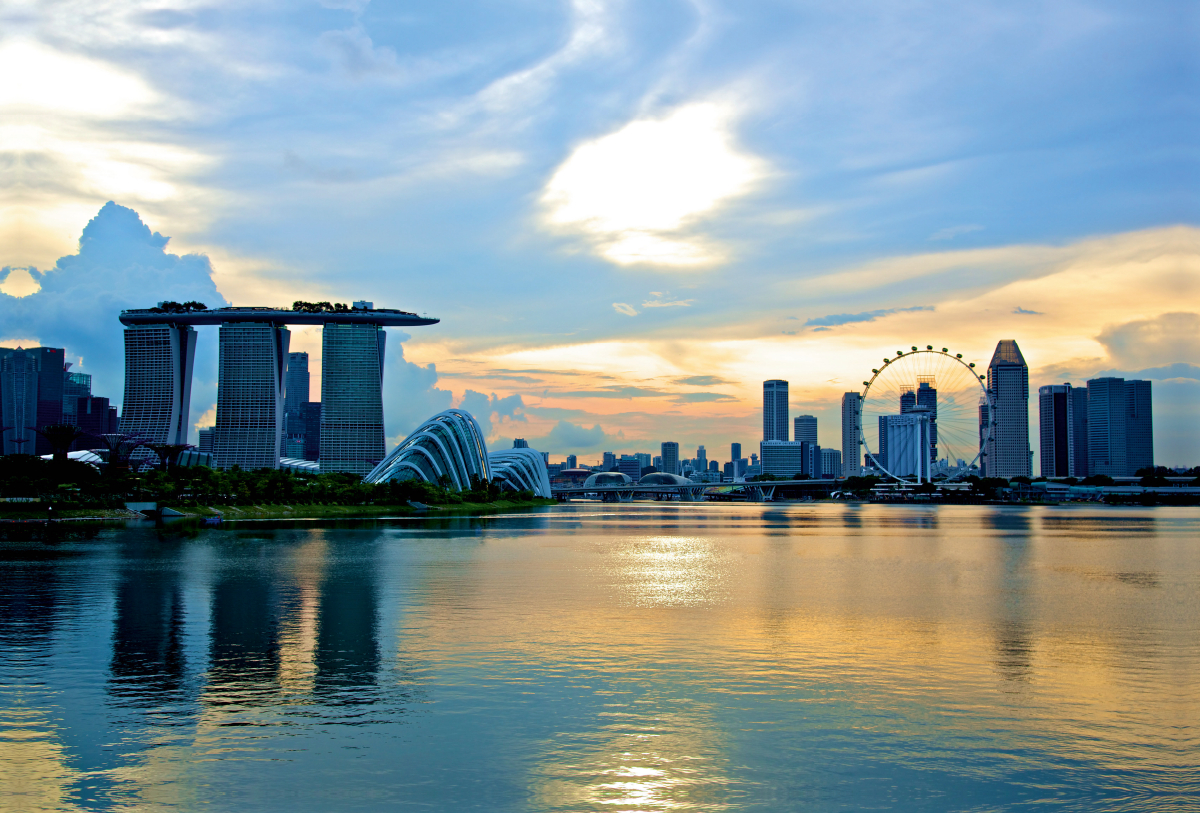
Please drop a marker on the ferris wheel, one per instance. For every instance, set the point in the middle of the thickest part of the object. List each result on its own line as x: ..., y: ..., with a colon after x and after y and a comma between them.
x: 925, y: 414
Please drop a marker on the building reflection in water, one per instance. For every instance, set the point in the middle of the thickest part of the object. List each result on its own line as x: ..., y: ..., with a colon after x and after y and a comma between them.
x: 347, y: 651
x: 244, y: 635
x: 148, y: 663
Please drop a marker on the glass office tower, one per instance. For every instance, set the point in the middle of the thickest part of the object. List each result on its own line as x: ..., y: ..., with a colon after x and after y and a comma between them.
x: 253, y: 360
x: 352, y: 438
x: 158, y: 381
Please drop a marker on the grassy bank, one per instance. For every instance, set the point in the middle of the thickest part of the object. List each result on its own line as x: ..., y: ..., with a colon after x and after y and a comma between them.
x: 234, y: 512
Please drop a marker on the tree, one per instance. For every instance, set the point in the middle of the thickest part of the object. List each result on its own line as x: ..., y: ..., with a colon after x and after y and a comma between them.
x: 1098, y: 480
x: 168, y: 453
x: 60, y: 436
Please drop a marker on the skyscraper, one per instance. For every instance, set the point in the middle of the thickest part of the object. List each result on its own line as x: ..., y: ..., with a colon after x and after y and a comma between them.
x: 927, y: 397
x: 805, y: 428
x: 1008, y: 453
x: 18, y: 400
x: 75, y: 386
x: 1079, y: 430
x: 312, y: 430
x: 701, y: 459
x: 831, y: 463
x: 775, y: 410
x: 1139, y: 427
x: 158, y: 381
x: 52, y: 370
x: 735, y: 451
x: 253, y: 361
x: 610, y: 460
x: 908, y: 442
x: 352, y: 438
x: 520, y: 443
x: 572, y: 461
x: 1106, y: 426
x: 206, y: 438
x: 1056, y: 430
x: 96, y: 417
x: 295, y: 394
x: 670, y: 457
x: 851, y: 431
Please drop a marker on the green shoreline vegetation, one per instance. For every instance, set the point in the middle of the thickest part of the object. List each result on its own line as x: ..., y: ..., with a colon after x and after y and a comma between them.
x: 34, y: 488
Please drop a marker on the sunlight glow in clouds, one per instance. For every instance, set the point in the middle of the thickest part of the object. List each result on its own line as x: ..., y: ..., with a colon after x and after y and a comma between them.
x: 38, y: 77
x: 635, y: 191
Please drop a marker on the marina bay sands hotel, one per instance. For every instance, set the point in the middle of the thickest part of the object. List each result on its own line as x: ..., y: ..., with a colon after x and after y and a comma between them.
x: 160, y: 351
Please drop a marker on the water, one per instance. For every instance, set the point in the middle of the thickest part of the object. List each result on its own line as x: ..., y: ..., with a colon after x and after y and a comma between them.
x: 638, y: 657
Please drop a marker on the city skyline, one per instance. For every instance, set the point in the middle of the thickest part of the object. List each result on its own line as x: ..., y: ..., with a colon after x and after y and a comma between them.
x: 626, y: 217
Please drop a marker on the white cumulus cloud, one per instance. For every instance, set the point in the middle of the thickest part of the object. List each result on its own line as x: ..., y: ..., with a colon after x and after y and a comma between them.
x: 635, y: 192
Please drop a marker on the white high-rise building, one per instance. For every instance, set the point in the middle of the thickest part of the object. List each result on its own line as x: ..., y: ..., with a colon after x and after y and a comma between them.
x: 909, y: 438
x: 831, y: 463
x: 352, y: 438
x: 670, y: 457
x: 775, y: 410
x: 253, y: 361
x: 1008, y: 453
x: 851, y: 434
x: 805, y: 428
x: 158, y: 381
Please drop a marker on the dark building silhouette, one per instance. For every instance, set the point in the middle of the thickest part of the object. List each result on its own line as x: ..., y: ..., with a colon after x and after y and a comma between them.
x: 1079, y: 427
x: 244, y: 637
x: 31, y: 396
x: 1139, y: 427
x: 312, y: 430
x: 347, y: 651
x: 95, y: 417
x: 148, y: 662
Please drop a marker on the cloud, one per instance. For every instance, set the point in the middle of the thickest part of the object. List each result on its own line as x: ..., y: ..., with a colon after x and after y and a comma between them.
x: 955, y: 231
x: 52, y: 81
x: 702, y: 381
x: 1021, y: 310
x: 660, y: 301
x: 1179, y: 371
x: 701, y: 397
x: 622, y: 307
x: 120, y: 264
x: 410, y: 391
x: 1167, y: 338
x: 613, y: 392
x: 354, y: 52
x: 633, y: 193
x: 568, y: 438
x: 486, y: 407
x: 867, y: 316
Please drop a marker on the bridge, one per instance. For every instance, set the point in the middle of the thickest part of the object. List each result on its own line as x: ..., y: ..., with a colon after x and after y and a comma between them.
x: 757, y: 491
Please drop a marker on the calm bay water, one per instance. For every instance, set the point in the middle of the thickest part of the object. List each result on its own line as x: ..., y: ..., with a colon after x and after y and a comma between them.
x: 639, y: 657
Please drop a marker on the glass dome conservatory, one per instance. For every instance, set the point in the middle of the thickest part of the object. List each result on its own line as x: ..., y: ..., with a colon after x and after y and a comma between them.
x: 448, y: 448
x: 523, y: 469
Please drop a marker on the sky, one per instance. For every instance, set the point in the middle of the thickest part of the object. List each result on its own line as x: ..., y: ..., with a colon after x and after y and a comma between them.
x: 627, y: 215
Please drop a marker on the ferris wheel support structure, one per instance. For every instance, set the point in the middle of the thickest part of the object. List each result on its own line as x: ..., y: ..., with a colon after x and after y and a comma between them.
x: 958, y: 410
